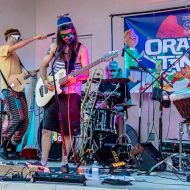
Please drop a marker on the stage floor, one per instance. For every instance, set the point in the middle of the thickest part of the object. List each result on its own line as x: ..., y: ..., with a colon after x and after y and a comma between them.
x: 155, y: 181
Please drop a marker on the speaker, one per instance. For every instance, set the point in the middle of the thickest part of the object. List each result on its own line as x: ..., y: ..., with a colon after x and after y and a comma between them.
x: 145, y: 156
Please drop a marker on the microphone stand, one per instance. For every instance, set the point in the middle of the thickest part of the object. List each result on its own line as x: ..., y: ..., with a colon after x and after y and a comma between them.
x: 141, y: 68
x: 60, y: 117
x: 161, y: 78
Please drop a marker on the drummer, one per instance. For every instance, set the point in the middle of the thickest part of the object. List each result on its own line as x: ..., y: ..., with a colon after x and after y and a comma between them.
x: 122, y: 95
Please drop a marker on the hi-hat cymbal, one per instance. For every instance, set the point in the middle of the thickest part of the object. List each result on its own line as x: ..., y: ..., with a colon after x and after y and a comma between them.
x: 125, y: 105
x: 116, y: 81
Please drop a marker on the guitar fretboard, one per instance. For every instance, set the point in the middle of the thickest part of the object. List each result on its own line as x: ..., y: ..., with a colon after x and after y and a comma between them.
x: 80, y: 71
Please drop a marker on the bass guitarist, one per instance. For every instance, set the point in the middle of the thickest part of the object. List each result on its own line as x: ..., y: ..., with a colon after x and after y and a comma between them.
x: 72, y: 55
x: 15, y: 102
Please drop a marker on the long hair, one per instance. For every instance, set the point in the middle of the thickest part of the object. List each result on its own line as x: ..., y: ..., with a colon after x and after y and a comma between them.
x: 60, y: 41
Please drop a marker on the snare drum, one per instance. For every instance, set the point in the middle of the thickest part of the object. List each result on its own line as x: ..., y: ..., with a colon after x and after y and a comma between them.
x: 181, y: 100
x: 105, y: 120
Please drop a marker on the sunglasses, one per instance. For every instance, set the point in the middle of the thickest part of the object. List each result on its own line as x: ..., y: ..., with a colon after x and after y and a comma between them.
x: 17, y: 37
x: 112, y: 70
x: 65, y: 35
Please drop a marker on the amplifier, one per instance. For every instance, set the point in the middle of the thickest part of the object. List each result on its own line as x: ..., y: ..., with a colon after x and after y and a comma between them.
x: 59, y: 177
x: 172, y: 146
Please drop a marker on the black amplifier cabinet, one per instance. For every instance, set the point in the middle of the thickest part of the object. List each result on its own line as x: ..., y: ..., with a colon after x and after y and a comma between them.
x: 172, y: 146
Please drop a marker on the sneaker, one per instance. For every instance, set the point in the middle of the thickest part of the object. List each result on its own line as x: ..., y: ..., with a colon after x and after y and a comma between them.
x: 64, y: 169
x: 38, y: 167
x: 3, y: 153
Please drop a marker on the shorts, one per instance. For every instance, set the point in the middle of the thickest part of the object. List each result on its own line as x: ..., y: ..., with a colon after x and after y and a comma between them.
x: 71, y: 113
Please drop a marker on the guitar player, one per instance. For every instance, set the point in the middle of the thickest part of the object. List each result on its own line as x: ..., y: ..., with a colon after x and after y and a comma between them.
x: 71, y: 55
x: 15, y: 102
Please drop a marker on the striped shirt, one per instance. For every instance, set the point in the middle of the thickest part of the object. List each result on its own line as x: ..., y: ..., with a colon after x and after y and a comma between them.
x: 74, y: 88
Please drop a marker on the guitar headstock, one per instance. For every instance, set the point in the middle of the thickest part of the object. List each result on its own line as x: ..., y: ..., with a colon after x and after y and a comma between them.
x: 110, y: 55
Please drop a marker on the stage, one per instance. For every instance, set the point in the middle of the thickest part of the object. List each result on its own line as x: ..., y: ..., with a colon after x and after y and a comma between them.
x: 154, y: 181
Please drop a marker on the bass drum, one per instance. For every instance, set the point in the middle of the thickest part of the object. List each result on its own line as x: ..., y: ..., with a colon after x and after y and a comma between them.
x: 104, y: 155
x: 55, y: 153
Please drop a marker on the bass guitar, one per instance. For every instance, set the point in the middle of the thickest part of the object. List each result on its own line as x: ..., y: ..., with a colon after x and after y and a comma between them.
x: 43, y: 95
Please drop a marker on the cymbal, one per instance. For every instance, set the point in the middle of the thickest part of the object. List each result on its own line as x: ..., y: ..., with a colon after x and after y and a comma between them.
x: 125, y: 105
x: 116, y: 81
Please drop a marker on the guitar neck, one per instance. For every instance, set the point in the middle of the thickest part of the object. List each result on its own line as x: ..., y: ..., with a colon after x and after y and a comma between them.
x: 29, y: 75
x: 80, y: 71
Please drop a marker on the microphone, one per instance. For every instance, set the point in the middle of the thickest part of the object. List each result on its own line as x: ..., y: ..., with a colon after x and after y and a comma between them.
x: 71, y: 39
x: 51, y: 34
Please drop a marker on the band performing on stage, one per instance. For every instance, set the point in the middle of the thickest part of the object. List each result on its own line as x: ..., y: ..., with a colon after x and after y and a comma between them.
x: 86, y: 104
x: 59, y: 93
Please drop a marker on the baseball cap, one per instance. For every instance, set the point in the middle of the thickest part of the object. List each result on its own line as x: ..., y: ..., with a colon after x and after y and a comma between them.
x: 113, y: 65
x: 64, y: 20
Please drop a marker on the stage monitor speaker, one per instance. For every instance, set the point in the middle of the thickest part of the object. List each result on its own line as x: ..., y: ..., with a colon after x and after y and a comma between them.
x: 145, y: 156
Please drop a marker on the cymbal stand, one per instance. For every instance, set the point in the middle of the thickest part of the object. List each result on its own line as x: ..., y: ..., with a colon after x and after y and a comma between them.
x: 103, y: 121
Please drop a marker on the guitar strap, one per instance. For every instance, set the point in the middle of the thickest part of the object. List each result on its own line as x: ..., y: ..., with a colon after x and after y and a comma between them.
x: 72, y: 61
x: 22, y: 65
x: 5, y: 80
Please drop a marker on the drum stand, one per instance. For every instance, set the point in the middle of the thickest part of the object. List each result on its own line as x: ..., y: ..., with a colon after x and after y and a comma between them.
x: 124, y: 134
x: 181, y: 155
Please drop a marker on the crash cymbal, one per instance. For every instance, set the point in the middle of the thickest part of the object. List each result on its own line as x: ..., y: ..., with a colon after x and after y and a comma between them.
x: 125, y: 105
x: 116, y: 81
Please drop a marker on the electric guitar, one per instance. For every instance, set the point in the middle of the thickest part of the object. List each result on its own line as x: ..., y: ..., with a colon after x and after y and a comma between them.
x: 18, y: 82
x: 43, y: 95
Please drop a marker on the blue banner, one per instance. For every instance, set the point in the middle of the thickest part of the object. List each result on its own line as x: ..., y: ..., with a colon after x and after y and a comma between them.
x: 154, y: 42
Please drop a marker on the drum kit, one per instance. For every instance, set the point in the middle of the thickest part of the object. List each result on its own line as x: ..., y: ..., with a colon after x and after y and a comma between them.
x: 104, y: 119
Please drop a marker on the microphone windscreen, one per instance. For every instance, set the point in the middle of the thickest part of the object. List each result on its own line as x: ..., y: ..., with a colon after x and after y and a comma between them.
x: 71, y: 39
